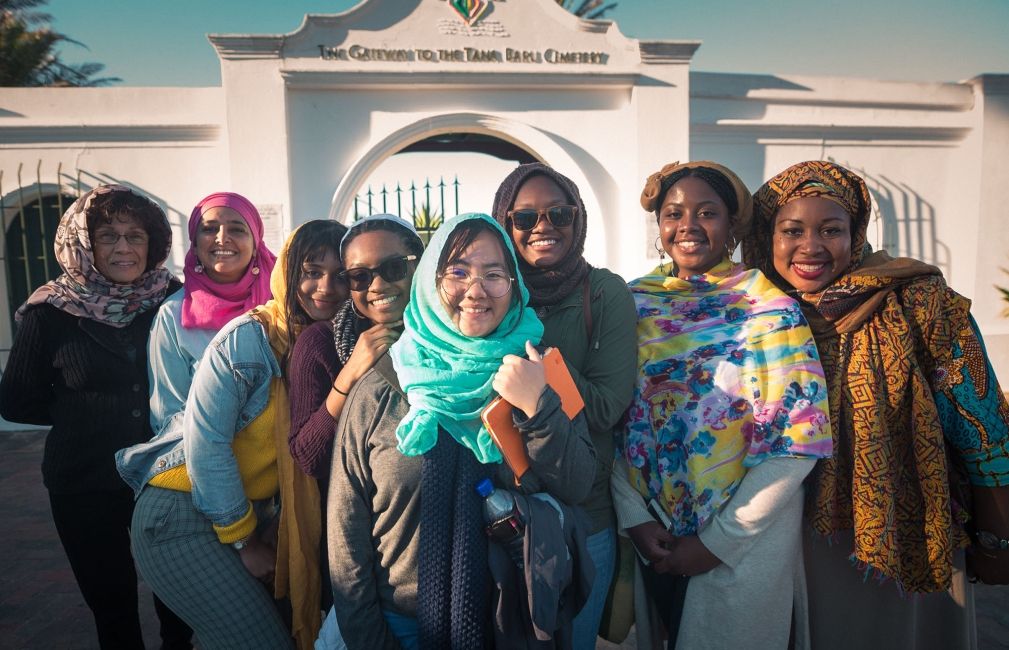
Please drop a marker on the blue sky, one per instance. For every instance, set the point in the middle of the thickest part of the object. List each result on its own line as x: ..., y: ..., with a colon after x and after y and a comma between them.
x: 163, y: 42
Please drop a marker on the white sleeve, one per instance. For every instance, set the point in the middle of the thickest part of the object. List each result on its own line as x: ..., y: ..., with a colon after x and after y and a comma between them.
x: 628, y: 503
x: 754, y: 507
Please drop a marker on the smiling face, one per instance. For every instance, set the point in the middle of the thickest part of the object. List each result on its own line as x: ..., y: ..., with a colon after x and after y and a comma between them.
x: 694, y: 226
x: 224, y: 244
x: 321, y: 289
x: 545, y: 245
x: 384, y: 301
x: 119, y: 260
x: 474, y: 311
x: 811, y: 243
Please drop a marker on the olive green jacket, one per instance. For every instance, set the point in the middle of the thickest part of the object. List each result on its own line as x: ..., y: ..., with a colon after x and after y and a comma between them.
x: 602, y: 357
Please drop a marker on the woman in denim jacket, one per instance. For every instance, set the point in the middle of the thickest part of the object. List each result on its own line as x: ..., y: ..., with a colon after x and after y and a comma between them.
x: 227, y: 273
x: 204, y: 553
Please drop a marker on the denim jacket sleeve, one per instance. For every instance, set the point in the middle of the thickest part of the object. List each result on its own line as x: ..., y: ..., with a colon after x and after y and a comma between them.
x: 170, y: 367
x: 230, y: 388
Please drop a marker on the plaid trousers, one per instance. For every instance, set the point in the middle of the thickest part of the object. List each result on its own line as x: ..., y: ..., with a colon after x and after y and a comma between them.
x: 201, y: 579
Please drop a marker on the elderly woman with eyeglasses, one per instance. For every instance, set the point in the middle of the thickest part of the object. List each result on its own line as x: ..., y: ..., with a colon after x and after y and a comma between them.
x: 407, y: 549
x: 79, y: 365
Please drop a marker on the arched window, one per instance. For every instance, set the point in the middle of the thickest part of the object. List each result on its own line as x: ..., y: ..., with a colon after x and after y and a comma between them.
x: 30, y: 258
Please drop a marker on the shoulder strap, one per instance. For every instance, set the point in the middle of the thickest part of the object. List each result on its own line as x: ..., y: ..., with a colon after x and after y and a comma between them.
x: 587, y: 308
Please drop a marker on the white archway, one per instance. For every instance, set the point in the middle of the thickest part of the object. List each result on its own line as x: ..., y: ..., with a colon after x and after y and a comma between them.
x: 539, y: 144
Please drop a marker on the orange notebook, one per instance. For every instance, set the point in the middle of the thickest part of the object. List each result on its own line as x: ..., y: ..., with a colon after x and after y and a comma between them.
x: 497, y: 416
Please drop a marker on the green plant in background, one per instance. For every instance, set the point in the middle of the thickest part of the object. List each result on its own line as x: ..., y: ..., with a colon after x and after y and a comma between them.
x: 28, y: 50
x: 1005, y: 294
x: 426, y: 221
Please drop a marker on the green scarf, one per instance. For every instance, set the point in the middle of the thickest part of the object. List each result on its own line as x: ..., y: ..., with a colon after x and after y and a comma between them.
x: 446, y: 375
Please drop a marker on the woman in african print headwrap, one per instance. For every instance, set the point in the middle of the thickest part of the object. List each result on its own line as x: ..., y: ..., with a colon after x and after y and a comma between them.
x: 729, y: 416
x: 919, y: 421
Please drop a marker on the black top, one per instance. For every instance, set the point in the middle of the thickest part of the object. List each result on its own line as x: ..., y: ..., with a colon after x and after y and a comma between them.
x: 89, y: 381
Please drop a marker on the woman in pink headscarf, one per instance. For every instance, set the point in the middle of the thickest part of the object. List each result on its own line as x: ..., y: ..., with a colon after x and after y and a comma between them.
x: 227, y: 273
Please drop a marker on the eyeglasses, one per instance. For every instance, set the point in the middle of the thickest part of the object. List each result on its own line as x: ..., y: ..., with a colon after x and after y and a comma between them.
x: 391, y: 270
x: 558, y: 215
x: 456, y: 282
x: 111, y: 238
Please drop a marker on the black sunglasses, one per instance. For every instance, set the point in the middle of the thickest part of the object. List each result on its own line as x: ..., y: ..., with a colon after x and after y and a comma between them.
x: 559, y: 215
x: 391, y: 270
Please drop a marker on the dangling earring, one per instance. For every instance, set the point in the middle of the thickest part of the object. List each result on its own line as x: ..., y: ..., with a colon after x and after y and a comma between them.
x: 662, y: 253
x: 255, y: 270
x: 198, y: 268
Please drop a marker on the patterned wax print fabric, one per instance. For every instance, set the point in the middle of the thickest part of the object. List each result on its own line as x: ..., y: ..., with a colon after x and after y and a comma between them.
x: 728, y: 376
x: 810, y: 179
x: 904, y: 358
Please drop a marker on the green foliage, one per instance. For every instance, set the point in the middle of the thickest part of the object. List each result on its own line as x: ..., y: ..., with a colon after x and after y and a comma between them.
x: 27, y: 50
x: 591, y: 9
x: 426, y: 221
x: 1005, y: 294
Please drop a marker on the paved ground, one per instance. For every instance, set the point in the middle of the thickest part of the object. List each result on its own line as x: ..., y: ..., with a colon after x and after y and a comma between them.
x: 40, y: 607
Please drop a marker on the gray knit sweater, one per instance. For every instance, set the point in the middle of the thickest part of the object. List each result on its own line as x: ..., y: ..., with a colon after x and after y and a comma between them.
x: 374, y: 499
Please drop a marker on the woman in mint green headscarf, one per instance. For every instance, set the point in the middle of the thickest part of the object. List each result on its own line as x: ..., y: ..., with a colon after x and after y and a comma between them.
x: 408, y: 552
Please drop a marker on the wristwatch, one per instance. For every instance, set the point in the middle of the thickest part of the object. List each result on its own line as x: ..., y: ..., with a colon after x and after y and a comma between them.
x: 240, y: 544
x: 990, y: 541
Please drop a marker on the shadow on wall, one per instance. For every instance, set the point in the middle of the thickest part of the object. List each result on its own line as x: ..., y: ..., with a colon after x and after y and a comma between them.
x: 903, y: 223
x: 605, y: 189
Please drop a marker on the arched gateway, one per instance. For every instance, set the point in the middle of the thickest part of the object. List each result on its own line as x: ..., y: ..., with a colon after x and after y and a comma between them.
x: 332, y: 100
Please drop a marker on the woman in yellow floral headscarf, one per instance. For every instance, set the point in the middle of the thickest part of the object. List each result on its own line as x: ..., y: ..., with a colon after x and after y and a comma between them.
x: 728, y: 417
x: 917, y: 414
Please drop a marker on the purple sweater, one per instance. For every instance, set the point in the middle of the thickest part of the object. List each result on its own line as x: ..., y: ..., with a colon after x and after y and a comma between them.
x: 311, y: 370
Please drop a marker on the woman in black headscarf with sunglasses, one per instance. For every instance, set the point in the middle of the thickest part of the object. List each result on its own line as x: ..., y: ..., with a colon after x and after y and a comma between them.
x: 379, y: 255
x: 588, y: 314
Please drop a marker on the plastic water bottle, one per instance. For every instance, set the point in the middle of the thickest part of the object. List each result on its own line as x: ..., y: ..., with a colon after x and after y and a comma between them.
x: 504, y: 523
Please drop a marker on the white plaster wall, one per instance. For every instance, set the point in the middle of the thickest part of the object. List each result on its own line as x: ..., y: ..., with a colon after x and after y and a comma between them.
x: 991, y: 174
x: 340, y: 115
